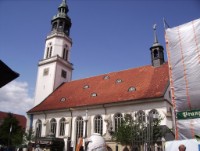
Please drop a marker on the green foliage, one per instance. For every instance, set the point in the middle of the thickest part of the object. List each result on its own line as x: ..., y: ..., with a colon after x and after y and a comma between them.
x: 135, y: 132
x: 28, y: 136
x: 11, y: 133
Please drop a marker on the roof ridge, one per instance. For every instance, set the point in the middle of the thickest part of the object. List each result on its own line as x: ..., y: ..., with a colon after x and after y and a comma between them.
x: 104, y: 74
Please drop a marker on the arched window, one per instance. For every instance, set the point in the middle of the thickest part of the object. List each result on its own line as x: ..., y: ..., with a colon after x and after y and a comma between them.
x: 54, y: 25
x: 38, y: 128
x: 154, y: 114
x: 50, y: 52
x: 118, y: 121
x: 79, y: 127
x: 65, y: 54
x: 60, y: 24
x: 47, y: 53
x: 140, y: 115
x: 98, y: 127
x: 155, y: 53
x: 53, y: 125
x: 62, y: 127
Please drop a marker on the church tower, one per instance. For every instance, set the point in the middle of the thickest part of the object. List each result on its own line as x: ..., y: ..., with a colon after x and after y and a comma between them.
x: 157, y: 54
x: 55, y: 67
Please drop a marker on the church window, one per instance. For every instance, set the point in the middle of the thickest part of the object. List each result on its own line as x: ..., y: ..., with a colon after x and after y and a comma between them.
x: 63, y: 74
x: 140, y: 115
x: 46, y: 72
x: 118, y: 80
x: 93, y: 94
x: 153, y: 114
x: 79, y: 128
x: 62, y: 127
x: 118, y: 121
x: 38, y: 128
x: 131, y: 89
x: 53, y: 125
x: 98, y: 124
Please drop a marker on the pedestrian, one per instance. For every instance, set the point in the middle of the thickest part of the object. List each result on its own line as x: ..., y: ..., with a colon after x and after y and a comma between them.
x: 182, y: 147
x: 38, y: 148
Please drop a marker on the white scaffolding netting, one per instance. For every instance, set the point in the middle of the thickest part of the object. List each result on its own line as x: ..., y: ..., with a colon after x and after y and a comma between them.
x: 183, y: 49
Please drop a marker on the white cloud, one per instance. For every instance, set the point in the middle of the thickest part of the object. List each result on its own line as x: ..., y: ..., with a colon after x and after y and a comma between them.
x: 14, y: 98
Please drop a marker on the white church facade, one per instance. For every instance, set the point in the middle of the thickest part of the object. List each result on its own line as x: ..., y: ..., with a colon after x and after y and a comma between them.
x: 70, y: 109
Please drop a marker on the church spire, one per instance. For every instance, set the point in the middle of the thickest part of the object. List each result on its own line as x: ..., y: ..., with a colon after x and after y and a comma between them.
x: 61, y: 22
x: 155, y: 34
x: 157, y: 54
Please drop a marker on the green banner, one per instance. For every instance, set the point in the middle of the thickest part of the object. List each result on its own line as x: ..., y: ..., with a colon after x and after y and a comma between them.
x: 188, y: 114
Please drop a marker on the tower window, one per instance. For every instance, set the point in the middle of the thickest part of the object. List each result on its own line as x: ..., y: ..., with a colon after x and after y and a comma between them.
x: 46, y: 72
x: 54, y: 25
x: 47, y: 54
x: 65, y: 53
x: 63, y: 74
x: 155, y: 53
x: 60, y: 24
x: 50, y: 52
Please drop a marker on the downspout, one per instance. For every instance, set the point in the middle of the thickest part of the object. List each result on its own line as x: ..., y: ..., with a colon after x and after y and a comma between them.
x: 70, y: 130
x: 105, y: 109
x: 45, y: 117
x: 105, y: 117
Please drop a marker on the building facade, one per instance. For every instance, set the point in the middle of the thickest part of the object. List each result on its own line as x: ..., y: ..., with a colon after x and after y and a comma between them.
x: 72, y: 109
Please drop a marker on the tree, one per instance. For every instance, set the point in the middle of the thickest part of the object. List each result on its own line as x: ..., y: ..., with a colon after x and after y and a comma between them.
x: 28, y: 136
x: 134, y: 133
x: 11, y: 133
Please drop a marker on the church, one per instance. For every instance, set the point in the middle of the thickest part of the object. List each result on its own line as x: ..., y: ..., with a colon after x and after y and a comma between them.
x: 70, y: 109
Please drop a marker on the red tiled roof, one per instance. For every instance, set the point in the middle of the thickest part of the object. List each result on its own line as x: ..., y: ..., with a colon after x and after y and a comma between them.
x: 150, y: 82
x: 20, y: 118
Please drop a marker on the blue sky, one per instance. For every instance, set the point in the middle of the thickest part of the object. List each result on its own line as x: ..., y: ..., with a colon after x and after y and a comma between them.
x: 108, y: 35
